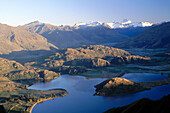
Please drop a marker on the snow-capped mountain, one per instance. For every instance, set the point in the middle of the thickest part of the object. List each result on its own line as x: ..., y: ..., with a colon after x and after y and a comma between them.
x: 83, y: 24
x: 141, y: 24
x: 113, y: 25
x: 127, y: 23
x: 123, y: 24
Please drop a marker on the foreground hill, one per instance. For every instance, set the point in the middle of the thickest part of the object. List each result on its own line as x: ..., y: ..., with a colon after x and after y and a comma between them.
x: 145, y: 106
x: 15, y: 39
x: 155, y: 37
x: 73, y: 36
x: 2, y: 109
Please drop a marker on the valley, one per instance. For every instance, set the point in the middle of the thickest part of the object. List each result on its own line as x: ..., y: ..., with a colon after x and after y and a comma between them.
x: 38, y: 53
x: 22, y: 76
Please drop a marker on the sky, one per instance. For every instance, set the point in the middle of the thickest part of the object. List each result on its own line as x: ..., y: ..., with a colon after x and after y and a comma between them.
x: 69, y: 12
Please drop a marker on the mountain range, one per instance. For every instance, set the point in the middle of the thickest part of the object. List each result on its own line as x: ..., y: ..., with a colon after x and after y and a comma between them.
x: 42, y: 36
x: 113, y: 25
x: 155, y: 37
x: 84, y: 33
x: 68, y: 36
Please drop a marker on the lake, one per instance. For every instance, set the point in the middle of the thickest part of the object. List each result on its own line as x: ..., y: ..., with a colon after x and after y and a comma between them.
x: 144, y: 77
x: 81, y: 99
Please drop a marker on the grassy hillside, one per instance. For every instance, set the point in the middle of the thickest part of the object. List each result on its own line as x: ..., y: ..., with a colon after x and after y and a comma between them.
x: 7, y: 66
x: 15, y: 39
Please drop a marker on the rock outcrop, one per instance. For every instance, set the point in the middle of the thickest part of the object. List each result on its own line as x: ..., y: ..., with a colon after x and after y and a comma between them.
x: 9, y: 65
x: 35, y: 74
x: 91, y: 56
x: 48, y: 75
x: 90, y: 63
x: 117, y: 86
x: 129, y: 59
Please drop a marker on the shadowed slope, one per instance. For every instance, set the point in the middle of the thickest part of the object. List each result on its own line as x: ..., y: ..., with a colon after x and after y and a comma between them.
x: 155, y: 37
x: 145, y: 106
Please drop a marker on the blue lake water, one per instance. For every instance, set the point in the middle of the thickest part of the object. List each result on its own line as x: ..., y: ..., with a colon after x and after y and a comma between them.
x: 81, y: 99
x: 144, y: 77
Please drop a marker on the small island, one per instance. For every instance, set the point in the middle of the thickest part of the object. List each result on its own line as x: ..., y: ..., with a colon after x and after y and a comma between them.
x: 117, y: 86
x: 122, y: 86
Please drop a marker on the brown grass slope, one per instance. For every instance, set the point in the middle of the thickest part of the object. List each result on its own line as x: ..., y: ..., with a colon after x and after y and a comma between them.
x: 15, y: 39
x: 7, y: 66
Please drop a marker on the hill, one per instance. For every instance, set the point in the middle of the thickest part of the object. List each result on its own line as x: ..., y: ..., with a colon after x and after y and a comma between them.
x: 15, y: 39
x: 144, y: 106
x: 117, y: 86
x: 90, y: 56
x: 13, y: 70
x: 7, y: 66
x: 155, y: 37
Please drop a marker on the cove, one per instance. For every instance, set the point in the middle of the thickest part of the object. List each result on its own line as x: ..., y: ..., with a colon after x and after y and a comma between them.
x: 81, y: 99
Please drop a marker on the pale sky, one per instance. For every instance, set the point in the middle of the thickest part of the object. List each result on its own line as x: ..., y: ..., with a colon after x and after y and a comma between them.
x: 69, y: 12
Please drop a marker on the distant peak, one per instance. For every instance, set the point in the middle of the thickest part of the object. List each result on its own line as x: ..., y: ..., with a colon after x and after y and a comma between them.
x: 34, y: 22
x: 92, y: 23
x: 126, y: 21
